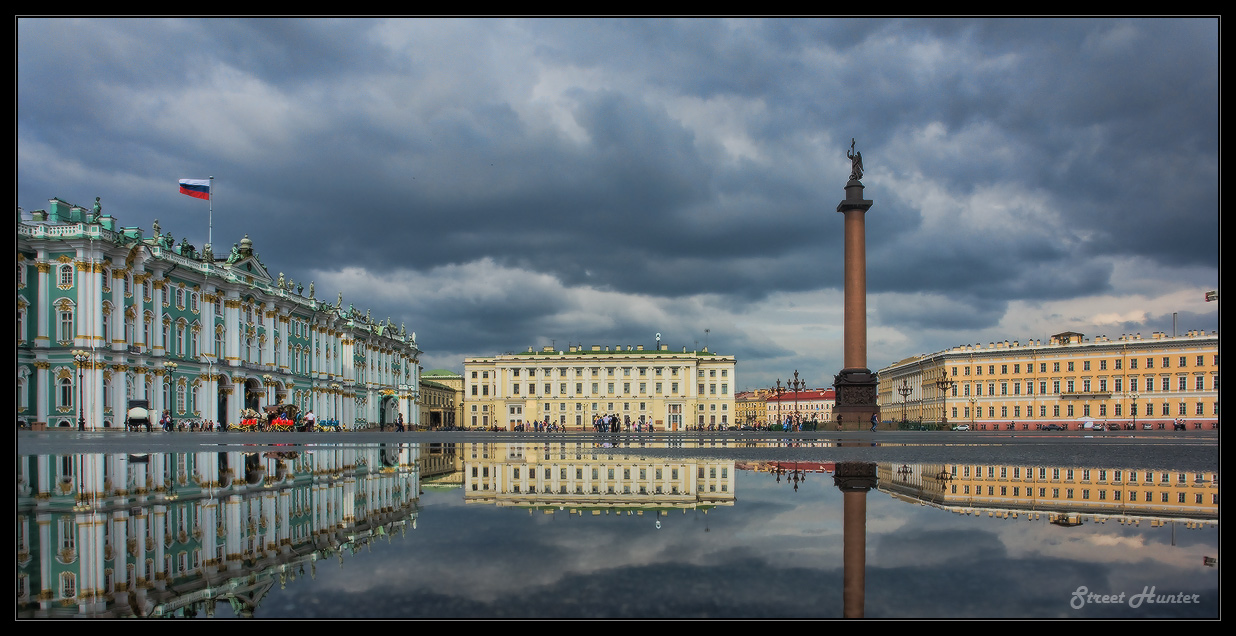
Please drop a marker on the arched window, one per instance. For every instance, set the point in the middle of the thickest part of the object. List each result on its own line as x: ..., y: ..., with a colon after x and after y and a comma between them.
x: 66, y: 324
x: 181, y: 404
x: 66, y: 276
x: 64, y: 394
x: 219, y: 345
x: 180, y: 338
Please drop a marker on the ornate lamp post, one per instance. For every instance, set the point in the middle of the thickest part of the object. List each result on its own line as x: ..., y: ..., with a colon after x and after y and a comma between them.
x: 973, y: 408
x: 170, y: 367
x: 81, y: 357
x: 797, y: 385
x: 905, y: 390
x: 775, y: 393
x: 944, y: 384
x: 1134, y: 396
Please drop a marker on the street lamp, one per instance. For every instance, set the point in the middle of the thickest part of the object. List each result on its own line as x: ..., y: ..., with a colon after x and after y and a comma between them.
x: 944, y: 384
x: 777, y: 392
x: 81, y: 357
x: 905, y: 390
x: 1135, y: 396
x: 797, y: 385
x: 170, y: 367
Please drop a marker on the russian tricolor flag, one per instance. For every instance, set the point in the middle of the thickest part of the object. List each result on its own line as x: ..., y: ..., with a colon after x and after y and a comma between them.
x: 197, y: 188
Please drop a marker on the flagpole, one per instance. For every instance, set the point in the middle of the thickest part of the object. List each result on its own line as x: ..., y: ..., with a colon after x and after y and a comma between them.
x: 210, y: 215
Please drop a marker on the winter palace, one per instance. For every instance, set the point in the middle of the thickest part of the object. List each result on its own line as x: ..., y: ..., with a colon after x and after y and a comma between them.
x: 106, y: 315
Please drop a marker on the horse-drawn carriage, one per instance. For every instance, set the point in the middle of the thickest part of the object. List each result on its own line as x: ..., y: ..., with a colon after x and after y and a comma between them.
x: 138, y: 416
x: 282, y: 417
x: 250, y: 420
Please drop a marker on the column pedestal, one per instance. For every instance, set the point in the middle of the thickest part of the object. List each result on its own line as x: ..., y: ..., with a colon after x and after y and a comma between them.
x: 856, y: 399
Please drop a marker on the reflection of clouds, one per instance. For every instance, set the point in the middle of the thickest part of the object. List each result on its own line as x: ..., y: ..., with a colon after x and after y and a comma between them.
x: 775, y: 553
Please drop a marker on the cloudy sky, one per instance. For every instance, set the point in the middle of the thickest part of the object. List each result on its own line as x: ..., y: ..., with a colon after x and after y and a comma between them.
x: 500, y: 184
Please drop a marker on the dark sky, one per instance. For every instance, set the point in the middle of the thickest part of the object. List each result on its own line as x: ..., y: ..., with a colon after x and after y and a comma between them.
x: 500, y: 184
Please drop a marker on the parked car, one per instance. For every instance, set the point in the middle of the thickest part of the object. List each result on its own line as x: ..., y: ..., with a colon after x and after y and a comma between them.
x: 961, y: 427
x: 1053, y: 427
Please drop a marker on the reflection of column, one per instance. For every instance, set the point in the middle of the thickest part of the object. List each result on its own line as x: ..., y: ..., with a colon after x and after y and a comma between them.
x: 854, y: 479
x: 119, y: 541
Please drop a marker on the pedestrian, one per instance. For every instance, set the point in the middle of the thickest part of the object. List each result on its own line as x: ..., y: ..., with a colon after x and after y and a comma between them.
x: 875, y: 421
x: 399, y: 423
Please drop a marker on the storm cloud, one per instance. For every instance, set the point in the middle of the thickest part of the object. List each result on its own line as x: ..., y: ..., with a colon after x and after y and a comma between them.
x: 499, y: 184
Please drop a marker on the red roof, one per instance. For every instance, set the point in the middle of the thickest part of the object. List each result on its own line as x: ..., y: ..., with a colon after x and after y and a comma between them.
x: 804, y: 396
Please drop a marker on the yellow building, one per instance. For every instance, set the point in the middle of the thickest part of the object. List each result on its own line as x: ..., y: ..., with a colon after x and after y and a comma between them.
x: 441, y: 398
x: 749, y: 405
x: 1128, y: 381
x: 670, y: 390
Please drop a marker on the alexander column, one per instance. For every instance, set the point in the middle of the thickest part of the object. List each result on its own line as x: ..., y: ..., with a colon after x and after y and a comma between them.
x: 855, y: 386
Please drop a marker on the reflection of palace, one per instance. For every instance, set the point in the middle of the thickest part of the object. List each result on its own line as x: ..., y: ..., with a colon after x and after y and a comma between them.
x: 173, y: 534
x: 589, y: 475
x: 1062, y: 493
x: 669, y: 389
x: 198, y: 334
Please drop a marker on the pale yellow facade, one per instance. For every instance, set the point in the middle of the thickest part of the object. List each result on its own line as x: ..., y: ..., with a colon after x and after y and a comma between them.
x: 441, y: 398
x: 1070, y: 379
x: 668, y: 389
x: 1060, y: 490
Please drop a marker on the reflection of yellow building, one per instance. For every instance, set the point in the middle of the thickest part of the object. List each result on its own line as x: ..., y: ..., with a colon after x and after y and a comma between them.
x: 1070, y: 378
x: 588, y: 475
x: 1152, y: 494
x: 672, y: 390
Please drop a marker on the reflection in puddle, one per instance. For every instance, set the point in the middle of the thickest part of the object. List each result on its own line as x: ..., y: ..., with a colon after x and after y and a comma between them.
x: 427, y: 531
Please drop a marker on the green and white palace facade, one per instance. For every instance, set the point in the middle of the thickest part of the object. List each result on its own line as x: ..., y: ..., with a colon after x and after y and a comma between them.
x: 107, y: 314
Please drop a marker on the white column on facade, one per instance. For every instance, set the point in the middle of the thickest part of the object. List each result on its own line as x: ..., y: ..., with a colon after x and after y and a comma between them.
x: 284, y: 322
x: 268, y: 345
x: 319, y: 350
x: 43, y: 390
x: 231, y: 328
x: 43, y: 312
x: 347, y: 348
x: 157, y: 345
x: 208, y: 322
x: 236, y: 401
x: 83, y: 323
x: 118, y: 342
